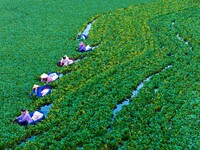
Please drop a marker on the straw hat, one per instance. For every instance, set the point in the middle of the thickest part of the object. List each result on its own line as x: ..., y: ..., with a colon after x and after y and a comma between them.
x: 44, y: 75
x: 35, y: 86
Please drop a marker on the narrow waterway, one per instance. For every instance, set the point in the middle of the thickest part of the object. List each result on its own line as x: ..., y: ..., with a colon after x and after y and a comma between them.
x: 135, y: 93
x: 179, y: 37
x: 46, y: 108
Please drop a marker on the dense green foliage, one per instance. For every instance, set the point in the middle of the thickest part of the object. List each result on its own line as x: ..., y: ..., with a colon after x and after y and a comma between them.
x: 134, y: 43
x: 34, y: 34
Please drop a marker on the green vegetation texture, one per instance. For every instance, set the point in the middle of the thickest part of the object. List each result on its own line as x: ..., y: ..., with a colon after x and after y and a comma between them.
x: 136, y: 40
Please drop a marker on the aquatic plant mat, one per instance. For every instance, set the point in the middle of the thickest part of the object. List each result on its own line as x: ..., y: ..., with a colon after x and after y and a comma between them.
x: 152, y: 49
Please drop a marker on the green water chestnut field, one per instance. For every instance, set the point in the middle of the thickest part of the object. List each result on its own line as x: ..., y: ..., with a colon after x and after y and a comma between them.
x: 154, y: 43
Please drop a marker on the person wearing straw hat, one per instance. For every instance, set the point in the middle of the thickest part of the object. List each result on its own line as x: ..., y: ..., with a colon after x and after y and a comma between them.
x: 83, y: 48
x: 45, y: 77
x: 52, y: 76
x: 34, y: 89
x: 40, y: 90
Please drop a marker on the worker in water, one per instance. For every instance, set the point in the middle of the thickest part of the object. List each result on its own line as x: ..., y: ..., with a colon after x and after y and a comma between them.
x: 40, y: 90
x: 45, y: 77
x: 81, y: 36
x: 83, y: 48
x: 24, y: 118
x: 66, y: 61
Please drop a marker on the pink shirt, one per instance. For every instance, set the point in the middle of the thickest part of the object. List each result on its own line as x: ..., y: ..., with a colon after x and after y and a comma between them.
x: 49, y: 79
x: 66, y: 61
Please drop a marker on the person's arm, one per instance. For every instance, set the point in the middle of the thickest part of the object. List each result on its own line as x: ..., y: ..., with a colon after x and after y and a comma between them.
x: 82, y: 48
x: 33, y: 91
x: 24, y: 118
x: 19, y: 117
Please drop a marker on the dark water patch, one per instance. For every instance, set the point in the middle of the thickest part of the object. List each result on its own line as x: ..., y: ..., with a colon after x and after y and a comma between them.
x: 170, y: 126
x: 181, y: 38
x: 173, y: 22
x: 118, y: 148
x: 155, y: 90
x: 68, y: 72
x: 169, y: 54
x: 28, y: 139
x: 46, y: 108
x: 79, y: 59
x: 94, y: 47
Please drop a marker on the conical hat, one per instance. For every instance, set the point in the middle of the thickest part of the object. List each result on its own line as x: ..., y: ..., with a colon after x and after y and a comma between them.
x: 35, y: 86
x: 44, y: 75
